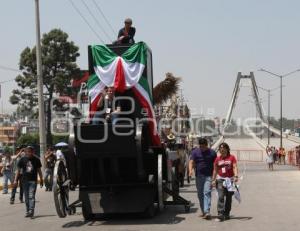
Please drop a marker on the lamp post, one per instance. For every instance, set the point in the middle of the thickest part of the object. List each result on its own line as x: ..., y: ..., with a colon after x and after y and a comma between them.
x: 281, y: 77
x: 269, y: 106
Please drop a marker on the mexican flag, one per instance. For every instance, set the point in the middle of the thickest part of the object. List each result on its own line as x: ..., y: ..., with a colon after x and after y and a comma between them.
x: 122, y: 72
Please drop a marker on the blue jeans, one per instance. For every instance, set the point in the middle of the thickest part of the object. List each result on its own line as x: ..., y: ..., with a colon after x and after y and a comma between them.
x: 48, y: 178
x: 29, y: 188
x: 7, y: 175
x: 203, y: 184
x: 14, y: 190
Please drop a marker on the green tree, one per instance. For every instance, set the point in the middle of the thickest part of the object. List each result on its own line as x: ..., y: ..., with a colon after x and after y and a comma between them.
x: 58, y: 66
x: 28, y: 139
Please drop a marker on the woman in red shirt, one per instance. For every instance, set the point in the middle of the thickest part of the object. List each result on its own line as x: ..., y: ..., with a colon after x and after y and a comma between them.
x: 225, y: 166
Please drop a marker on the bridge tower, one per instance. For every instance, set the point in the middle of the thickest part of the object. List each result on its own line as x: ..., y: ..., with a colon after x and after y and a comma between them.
x: 241, y: 78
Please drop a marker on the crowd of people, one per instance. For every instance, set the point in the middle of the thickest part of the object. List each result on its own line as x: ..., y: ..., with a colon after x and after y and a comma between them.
x: 22, y: 169
x: 275, y: 156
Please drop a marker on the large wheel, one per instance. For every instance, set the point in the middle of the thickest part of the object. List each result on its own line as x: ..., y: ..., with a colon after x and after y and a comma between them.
x: 175, y: 183
x: 187, y: 160
x: 61, y: 188
x: 160, y: 182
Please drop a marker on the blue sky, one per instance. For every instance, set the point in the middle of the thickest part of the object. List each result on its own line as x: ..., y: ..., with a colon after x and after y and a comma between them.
x: 205, y: 42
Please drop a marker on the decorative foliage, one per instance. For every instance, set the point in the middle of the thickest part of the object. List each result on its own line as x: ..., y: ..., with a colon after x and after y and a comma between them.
x: 165, y: 89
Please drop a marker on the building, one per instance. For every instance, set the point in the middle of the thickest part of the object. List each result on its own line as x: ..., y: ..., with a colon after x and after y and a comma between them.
x: 8, y: 135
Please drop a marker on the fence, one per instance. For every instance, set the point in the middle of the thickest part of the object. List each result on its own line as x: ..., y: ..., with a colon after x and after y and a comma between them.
x: 249, y: 155
x: 293, y: 157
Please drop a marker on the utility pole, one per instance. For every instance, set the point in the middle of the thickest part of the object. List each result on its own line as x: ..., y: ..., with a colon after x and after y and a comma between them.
x: 269, y: 105
x: 42, y: 133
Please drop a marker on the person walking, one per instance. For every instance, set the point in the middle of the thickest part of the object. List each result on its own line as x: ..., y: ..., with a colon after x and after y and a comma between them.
x: 16, y: 158
x: 30, y: 165
x: 225, y: 173
x: 6, y: 171
x: 201, y: 162
x: 50, y: 159
x: 270, y: 158
x: 283, y: 154
x: 279, y: 155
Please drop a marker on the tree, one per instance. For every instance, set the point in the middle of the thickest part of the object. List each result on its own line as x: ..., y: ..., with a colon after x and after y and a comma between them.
x: 28, y: 139
x: 58, y: 67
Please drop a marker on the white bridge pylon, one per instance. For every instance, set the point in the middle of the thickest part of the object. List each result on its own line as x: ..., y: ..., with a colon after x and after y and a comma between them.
x: 240, y: 79
x: 255, y: 94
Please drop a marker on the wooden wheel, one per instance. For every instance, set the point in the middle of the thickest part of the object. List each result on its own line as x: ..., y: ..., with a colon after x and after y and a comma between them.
x: 61, y: 189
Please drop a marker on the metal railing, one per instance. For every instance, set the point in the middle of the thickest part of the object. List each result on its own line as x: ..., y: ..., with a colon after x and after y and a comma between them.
x: 249, y: 155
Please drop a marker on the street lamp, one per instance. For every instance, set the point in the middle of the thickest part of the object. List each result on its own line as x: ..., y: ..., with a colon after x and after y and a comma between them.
x: 269, y: 105
x: 281, y: 77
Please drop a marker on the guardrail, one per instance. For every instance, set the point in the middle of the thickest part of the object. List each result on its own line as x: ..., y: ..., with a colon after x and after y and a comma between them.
x: 276, y: 131
x: 293, y: 158
x: 249, y: 155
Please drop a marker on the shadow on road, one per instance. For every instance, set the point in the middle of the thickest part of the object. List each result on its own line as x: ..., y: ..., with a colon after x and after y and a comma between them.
x: 241, y: 218
x: 235, y: 218
x: 168, y: 217
x: 41, y: 216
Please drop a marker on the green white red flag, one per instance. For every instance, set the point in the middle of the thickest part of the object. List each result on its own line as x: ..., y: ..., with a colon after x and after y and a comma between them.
x: 122, y: 72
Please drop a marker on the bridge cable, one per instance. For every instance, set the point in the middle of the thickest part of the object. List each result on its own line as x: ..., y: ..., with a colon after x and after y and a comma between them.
x: 105, y: 18
x: 86, y: 21
x: 9, y: 69
x: 96, y: 20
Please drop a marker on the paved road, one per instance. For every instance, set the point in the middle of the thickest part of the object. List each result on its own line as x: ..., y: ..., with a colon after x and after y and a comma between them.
x: 243, y: 144
x: 287, y: 144
x: 270, y: 203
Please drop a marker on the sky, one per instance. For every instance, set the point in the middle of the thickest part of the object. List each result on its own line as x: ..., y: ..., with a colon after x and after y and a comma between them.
x: 206, y: 43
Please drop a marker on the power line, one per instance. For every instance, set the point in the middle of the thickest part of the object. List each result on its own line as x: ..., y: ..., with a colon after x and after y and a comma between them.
x: 96, y: 20
x: 9, y: 69
x: 106, y: 20
x: 6, y: 81
x: 89, y: 25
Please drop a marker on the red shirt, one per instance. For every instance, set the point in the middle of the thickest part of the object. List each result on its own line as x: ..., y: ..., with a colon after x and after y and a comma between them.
x: 225, y: 165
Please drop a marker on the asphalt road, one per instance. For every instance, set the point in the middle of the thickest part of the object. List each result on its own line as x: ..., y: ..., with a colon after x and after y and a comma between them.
x: 270, y: 202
